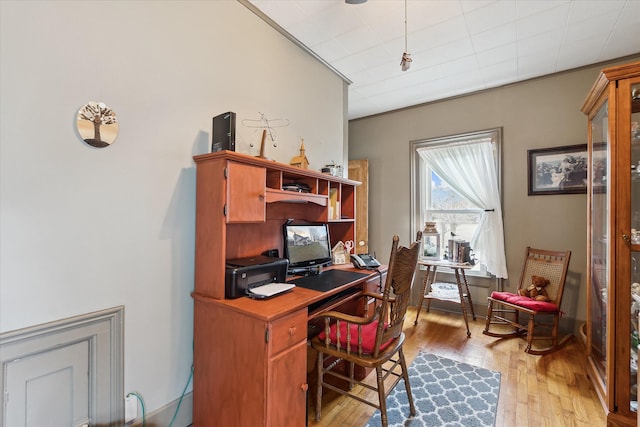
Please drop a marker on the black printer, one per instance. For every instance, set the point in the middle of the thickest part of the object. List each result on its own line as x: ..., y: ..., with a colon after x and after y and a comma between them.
x: 243, y: 274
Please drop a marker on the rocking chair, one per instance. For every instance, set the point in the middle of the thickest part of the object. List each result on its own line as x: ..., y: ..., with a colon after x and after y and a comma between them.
x: 504, y: 308
x: 371, y: 341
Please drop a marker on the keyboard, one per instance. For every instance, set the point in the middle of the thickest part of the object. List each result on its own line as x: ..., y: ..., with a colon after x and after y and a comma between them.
x: 327, y: 301
x: 269, y: 290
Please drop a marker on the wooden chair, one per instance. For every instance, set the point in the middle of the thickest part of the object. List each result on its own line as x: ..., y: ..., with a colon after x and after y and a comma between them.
x: 504, y: 308
x: 371, y: 341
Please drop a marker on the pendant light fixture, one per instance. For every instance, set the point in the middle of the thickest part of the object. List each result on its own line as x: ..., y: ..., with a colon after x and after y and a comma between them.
x: 405, y: 63
x: 355, y: 1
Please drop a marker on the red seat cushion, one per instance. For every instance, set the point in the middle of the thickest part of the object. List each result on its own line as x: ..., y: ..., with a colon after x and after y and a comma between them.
x: 368, y: 336
x: 525, y: 302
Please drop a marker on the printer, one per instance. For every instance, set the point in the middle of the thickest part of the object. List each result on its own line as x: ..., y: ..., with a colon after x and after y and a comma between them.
x: 243, y: 274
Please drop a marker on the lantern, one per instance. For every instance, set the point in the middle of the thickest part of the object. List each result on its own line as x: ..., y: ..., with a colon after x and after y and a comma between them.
x: 430, y: 241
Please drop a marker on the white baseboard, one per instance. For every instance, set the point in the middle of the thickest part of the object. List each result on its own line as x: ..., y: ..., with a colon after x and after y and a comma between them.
x: 163, y: 416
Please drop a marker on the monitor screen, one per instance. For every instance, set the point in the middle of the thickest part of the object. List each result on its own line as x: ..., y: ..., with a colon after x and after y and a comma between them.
x: 306, y: 245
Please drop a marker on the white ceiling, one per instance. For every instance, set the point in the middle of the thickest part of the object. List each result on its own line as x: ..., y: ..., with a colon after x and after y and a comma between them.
x: 457, y: 46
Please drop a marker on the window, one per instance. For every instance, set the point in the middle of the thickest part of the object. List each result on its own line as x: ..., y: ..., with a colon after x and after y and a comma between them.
x: 454, y: 214
x: 456, y: 184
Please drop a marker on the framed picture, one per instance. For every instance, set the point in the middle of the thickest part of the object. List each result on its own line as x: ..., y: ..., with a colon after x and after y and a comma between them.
x: 557, y: 170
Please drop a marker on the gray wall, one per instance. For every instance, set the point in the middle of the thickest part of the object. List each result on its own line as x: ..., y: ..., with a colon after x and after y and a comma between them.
x: 85, y: 229
x: 539, y: 113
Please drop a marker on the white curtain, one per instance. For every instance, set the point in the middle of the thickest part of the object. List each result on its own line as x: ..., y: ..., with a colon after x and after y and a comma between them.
x: 470, y: 169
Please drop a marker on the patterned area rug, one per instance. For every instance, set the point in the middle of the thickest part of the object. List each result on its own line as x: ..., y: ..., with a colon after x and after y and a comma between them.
x: 445, y: 393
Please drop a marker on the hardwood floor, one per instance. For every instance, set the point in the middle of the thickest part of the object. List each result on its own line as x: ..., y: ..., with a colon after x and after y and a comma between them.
x: 551, y: 390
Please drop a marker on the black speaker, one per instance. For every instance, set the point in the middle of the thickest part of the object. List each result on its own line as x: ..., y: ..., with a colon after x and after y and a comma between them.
x: 223, y: 135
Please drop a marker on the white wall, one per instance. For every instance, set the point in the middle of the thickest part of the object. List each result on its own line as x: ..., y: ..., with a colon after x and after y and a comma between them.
x: 83, y: 229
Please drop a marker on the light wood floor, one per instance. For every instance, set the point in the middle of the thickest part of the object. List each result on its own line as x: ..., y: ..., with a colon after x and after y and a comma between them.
x: 551, y: 390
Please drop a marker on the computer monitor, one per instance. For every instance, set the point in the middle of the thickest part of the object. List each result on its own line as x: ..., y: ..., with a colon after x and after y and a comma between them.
x: 306, y: 246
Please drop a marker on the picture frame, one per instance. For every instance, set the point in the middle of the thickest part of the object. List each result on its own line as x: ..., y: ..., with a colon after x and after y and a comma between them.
x: 557, y: 170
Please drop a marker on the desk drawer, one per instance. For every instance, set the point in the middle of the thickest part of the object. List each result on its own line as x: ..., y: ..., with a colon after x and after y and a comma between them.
x: 288, y: 331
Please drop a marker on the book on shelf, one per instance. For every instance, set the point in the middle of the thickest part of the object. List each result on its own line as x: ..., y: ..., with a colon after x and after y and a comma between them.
x: 334, y: 204
x: 459, y: 250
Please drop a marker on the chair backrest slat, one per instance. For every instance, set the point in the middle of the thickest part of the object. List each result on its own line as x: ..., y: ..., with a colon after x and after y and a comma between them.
x: 397, y: 289
x: 552, y: 265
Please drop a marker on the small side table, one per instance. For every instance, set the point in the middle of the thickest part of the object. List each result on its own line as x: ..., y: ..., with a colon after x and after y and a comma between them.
x: 464, y: 297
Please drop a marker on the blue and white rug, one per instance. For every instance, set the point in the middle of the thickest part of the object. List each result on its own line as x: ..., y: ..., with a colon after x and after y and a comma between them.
x: 445, y: 393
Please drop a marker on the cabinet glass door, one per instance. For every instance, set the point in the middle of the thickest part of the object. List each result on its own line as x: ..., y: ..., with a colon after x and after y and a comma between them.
x: 599, y: 235
x: 635, y: 242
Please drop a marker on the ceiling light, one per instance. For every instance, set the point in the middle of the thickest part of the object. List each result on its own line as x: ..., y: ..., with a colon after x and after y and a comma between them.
x: 405, y: 63
x: 355, y: 1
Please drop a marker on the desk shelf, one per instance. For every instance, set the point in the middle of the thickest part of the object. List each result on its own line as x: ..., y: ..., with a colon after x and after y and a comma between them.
x: 274, y: 196
x: 332, y: 302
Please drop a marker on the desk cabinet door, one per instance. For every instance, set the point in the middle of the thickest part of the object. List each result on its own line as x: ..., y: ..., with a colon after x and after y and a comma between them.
x: 287, y: 394
x: 246, y: 187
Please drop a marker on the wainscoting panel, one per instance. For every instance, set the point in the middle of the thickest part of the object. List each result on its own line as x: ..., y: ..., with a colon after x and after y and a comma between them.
x: 30, y: 380
x: 64, y: 373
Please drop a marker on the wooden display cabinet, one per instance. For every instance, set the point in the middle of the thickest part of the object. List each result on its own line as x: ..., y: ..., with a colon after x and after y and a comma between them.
x: 613, y: 267
x: 250, y: 357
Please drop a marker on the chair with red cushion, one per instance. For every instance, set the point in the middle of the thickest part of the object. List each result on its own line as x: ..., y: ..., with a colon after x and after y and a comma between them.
x: 373, y: 341
x: 504, y: 308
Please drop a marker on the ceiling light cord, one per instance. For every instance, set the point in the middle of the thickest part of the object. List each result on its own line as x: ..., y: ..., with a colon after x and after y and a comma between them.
x: 405, y: 63
x: 405, y: 26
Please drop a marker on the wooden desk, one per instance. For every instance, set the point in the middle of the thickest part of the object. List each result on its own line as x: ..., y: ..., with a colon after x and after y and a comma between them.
x: 250, y: 356
x: 464, y: 296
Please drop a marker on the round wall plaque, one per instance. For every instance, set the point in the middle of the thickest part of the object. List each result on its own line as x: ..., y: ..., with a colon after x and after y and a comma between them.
x: 97, y: 124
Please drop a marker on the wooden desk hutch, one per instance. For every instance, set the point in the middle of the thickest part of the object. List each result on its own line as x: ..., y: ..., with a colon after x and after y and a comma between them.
x: 250, y: 356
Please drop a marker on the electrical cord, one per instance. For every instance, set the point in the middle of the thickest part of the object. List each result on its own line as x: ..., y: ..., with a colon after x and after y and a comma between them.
x: 380, y: 280
x: 141, y: 400
x: 173, y: 419
x: 181, y: 397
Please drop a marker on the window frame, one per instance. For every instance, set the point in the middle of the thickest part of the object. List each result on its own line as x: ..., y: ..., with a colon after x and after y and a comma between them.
x: 419, y: 179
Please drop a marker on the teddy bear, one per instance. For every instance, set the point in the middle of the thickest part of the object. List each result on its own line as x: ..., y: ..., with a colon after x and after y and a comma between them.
x: 536, y: 290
